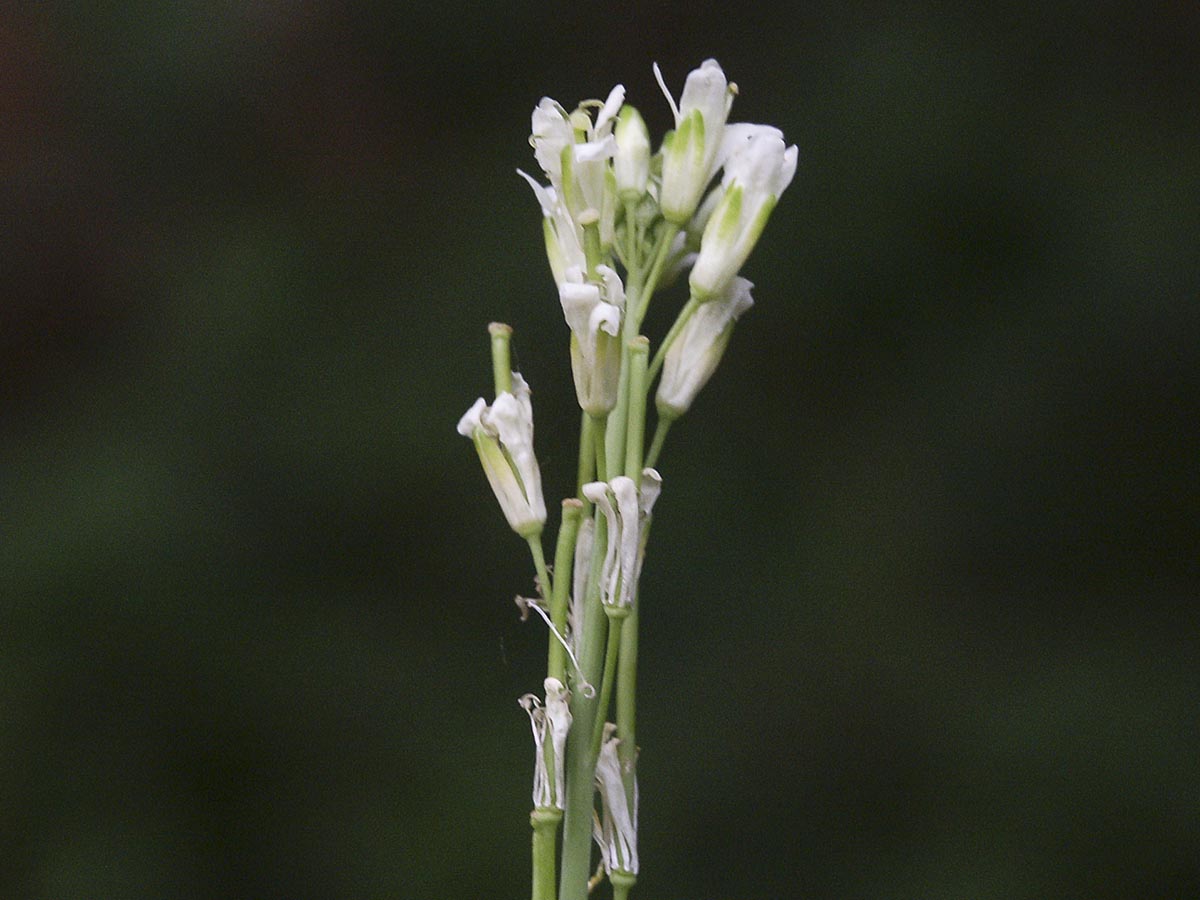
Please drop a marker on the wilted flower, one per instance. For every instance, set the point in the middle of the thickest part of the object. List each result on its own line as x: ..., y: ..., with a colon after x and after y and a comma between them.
x: 551, y: 721
x: 626, y: 510
x: 616, y: 829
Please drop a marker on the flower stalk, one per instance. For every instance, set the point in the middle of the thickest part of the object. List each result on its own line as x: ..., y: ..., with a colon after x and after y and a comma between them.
x: 620, y: 224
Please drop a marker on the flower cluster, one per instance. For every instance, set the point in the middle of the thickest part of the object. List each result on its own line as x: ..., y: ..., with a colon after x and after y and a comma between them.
x: 607, y: 194
x: 619, y: 221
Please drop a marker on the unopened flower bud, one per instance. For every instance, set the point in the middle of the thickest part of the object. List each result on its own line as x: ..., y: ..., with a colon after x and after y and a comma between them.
x: 691, y: 153
x: 631, y: 165
x: 694, y: 356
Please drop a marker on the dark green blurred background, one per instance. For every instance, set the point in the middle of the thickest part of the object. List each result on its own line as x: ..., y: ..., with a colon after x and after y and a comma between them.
x: 921, y: 606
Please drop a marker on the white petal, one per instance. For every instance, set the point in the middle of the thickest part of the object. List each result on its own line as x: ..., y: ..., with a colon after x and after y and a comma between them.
x: 612, y: 106
x: 472, y: 418
x: 626, y: 496
x: 547, y: 198
x: 651, y: 488
x: 610, y: 572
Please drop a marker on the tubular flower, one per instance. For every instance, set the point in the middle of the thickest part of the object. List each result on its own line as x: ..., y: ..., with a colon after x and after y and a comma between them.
x: 694, y: 356
x: 503, y: 437
x: 593, y: 312
x: 758, y: 170
x: 691, y: 153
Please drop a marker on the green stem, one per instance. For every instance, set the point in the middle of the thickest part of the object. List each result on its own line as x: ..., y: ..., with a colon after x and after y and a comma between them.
x: 587, y: 456
x: 564, y: 552
x: 591, y: 245
x: 622, y: 882
x: 599, y: 428
x: 686, y: 313
x: 635, y: 423
x: 545, y: 845
x: 539, y: 563
x: 665, y: 239
x: 615, y: 618
x: 631, y: 236
x: 501, y: 357
x: 581, y: 762
x: 660, y: 435
x: 627, y: 687
x: 627, y: 699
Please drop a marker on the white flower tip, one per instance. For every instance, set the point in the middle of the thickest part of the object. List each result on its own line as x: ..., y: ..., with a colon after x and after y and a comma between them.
x: 472, y: 418
x: 624, y: 490
x: 607, y: 318
x: 791, y: 157
x: 651, y: 488
x: 596, y: 491
x: 611, y: 107
x: 740, y: 297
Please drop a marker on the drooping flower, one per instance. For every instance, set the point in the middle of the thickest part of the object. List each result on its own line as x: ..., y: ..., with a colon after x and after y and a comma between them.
x: 503, y: 437
x: 691, y: 153
x: 626, y: 511
x: 593, y: 312
x: 551, y: 721
x: 693, y: 358
x: 616, y: 830
x: 757, y: 171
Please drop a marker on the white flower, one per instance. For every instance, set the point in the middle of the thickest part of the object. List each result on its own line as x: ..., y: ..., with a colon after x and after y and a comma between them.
x: 503, y: 436
x: 574, y: 152
x: 631, y: 165
x: 593, y: 313
x: 758, y: 170
x: 691, y: 154
x: 551, y: 721
x: 626, y: 511
x: 697, y: 350
x: 564, y: 237
x: 616, y: 830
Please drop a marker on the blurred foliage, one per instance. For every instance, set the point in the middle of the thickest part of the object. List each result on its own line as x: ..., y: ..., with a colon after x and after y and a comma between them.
x: 921, y: 605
